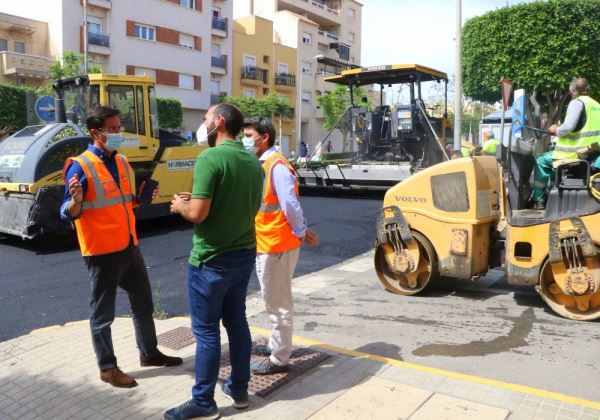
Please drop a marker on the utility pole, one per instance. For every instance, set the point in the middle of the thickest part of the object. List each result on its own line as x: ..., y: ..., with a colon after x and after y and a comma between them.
x: 458, y: 80
x: 85, y: 38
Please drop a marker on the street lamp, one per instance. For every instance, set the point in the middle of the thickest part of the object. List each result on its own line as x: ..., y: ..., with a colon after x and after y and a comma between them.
x: 298, y: 131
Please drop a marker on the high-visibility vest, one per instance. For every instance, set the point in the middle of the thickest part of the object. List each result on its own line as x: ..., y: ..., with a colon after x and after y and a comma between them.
x: 273, y: 232
x: 107, y: 222
x: 567, y: 145
x: 490, y: 146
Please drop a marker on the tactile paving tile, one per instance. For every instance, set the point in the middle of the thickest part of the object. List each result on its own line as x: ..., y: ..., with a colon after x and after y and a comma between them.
x: 177, y: 339
x: 302, y: 360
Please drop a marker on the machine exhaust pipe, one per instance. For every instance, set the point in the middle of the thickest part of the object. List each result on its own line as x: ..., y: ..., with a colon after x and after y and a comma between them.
x: 60, y: 113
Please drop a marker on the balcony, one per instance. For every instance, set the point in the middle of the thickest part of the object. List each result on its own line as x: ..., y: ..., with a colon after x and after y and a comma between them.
x: 285, y: 79
x: 218, y: 64
x: 104, y: 4
x: 24, y: 65
x: 328, y: 35
x: 251, y: 73
x: 324, y: 13
x: 219, y: 24
x: 98, y: 38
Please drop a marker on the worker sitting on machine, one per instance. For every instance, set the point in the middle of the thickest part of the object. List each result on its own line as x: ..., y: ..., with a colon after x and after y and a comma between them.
x: 578, y: 138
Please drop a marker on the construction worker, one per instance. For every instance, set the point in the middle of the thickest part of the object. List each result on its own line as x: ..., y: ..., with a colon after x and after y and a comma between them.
x: 364, y: 102
x: 490, y: 144
x: 577, y: 137
x: 280, y: 231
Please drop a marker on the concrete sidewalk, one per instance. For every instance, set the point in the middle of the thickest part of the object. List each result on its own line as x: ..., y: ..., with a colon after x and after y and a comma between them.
x: 51, y: 374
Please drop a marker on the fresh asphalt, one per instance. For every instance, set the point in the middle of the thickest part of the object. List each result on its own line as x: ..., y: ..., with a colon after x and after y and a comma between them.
x: 46, y: 283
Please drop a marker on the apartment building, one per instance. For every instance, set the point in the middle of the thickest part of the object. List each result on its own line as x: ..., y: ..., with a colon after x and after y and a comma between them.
x: 327, y: 36
x: 261, y: 67
x: 172, y: 40
x: 24, y: 51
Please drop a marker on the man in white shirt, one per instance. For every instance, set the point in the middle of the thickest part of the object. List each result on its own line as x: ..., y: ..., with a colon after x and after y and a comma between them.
x: 280, y: 231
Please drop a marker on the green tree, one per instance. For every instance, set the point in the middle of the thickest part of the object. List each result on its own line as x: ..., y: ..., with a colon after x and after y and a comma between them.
x: 13, y: 103
x: 540, y: 46
x: 71, y: 66
x: 271, y: 105
x: 334, y: 104
x: 170, y: 112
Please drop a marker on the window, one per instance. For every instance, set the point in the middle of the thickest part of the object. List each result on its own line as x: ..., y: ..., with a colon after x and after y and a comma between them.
x: 142, y: 71
x: 187, y: 3
x: 215, y: 87
x: 307, y: 38
x: 186, y: 41
x: 19, y: 47
x: 145, y: 32
x: 306, y: 68
x: 282, y: 68
x: 123, y: 98
x: 265, y: 91
x: 249, y: 60
x: 94, y: 24
x: 351, y: 13
x: 266, y: 59
x: 250, y: 93
x: 216, y: 12
x: 305, y: 97
x: 186, y: 81
x: 139, y: 93
x: 351, y: 36
x: 215, y: 50
x: 3, y: 44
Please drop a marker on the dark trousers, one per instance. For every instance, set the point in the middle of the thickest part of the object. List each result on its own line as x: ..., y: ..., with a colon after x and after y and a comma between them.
x: 127, y: 270
x: 217, y: 290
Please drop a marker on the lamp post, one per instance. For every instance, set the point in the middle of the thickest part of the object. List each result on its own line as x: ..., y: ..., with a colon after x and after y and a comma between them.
x: 298, y: 131
x: 458, y: 80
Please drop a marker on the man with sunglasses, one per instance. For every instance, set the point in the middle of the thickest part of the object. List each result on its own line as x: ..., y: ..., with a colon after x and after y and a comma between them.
x: 280, y: 230
x: 99, y: 199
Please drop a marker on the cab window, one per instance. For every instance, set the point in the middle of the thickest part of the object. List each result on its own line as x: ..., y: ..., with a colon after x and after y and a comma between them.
x: 54, y: 158
x: 139, y: 93
x: 122, y: 97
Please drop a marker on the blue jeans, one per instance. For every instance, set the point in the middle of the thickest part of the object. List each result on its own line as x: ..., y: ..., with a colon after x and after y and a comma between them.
x: 217, y: 290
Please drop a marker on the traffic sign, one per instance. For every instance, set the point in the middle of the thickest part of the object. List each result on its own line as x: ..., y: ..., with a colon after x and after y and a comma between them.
x: 506, y: 87
x: 45, y: 108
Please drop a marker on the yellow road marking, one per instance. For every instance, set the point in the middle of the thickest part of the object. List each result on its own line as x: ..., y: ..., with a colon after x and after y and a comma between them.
x: 442, y: 372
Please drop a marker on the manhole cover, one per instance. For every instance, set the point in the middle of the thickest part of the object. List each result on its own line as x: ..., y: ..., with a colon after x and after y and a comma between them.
x: 302, y: 360
x: 177, y: 339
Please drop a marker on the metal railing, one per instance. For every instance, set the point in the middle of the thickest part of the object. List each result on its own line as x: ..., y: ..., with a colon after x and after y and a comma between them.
x: 98, y: 38
x: 254, y: 73
x: 285, y: 79
x: 220, y: 24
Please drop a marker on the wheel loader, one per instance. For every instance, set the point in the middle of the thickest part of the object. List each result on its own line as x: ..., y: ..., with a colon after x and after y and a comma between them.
x: 31, y: 160
x: 462, y: 217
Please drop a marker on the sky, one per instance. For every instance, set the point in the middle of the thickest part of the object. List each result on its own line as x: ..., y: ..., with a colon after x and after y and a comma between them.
x: 416, y: 31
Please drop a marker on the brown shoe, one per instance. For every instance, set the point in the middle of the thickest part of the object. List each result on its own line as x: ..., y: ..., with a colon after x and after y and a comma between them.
x: 116, y: 377
x: 160, y: 359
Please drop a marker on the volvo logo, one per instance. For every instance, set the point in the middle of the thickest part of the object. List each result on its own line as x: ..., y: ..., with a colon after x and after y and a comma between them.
x: 406, y: 199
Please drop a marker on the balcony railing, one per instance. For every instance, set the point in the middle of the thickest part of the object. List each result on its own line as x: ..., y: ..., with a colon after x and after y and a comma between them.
x: 215, y: 99
x: 99, y: 38
x: 220, y: 24
x: 254, y: 73
x: 328, y: 35
x: 220, y: 62
x: 285, y: 79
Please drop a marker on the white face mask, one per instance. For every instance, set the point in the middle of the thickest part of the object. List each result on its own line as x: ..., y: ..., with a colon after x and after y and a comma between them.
x: 202, y: 135
x: 248, y: 143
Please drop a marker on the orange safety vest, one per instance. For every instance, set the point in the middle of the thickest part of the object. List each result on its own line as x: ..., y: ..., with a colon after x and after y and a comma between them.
x: 107, y: 221
x: 273, y: 232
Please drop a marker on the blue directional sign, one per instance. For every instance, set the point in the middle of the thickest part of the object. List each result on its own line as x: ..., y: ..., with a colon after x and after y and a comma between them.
x: 45, y: 108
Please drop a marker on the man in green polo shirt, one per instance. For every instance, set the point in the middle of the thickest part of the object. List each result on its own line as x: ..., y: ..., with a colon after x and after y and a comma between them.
x: 224, y: 200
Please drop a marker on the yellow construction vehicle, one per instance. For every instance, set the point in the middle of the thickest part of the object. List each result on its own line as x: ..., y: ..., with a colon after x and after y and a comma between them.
x: 461, y: 217
x: 31, y: 160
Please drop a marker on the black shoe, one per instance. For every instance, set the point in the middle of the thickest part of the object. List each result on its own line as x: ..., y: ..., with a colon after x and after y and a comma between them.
x: 266, y: 367
x: 160, y: 359
x: 240, y: 399
x: 262, y: 350
x: 191, y: 410
x: 539, y: 205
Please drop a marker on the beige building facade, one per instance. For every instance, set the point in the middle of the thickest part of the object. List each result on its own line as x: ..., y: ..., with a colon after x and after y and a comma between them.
x: 327, y: 36
x: 185, y: 45
x: 24, y: 51
x: 262, y: 67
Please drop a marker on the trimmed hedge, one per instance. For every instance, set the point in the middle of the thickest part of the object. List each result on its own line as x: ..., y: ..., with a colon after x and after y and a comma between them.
x: 13, y: 103
x: 170, y: 112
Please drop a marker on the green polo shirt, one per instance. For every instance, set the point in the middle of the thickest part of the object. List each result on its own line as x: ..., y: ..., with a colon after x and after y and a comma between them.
x: 233, y: 178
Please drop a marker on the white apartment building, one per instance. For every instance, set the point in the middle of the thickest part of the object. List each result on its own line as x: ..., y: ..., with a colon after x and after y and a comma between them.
x: 185, y: 45
x: 327, y: 35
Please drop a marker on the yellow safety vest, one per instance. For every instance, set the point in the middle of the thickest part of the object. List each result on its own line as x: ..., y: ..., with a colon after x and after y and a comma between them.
x: 567, y: 146
x: 490, y: 146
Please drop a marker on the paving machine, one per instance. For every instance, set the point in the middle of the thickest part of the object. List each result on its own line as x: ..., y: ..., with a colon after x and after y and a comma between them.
x: 31, y: 160
x: 460, y: 218
x: 393, y: 141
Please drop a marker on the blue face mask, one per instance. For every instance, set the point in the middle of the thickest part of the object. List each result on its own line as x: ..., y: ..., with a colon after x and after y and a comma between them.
x: 248, y: 143
x: 113, y: 140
